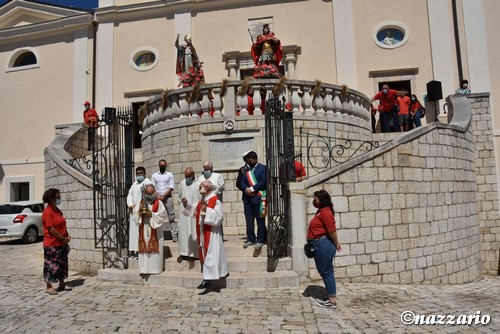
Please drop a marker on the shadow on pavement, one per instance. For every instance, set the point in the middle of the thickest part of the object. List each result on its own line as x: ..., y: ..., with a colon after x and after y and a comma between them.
x: 315, y: 291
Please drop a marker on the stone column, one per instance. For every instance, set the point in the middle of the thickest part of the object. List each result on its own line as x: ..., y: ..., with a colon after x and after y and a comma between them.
x: 345, y: 51
x: 477, y: 46
x: 232, y: 63
x: 298, y: 231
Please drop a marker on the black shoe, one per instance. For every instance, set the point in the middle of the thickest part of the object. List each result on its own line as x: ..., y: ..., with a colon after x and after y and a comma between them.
x: 204, y: 284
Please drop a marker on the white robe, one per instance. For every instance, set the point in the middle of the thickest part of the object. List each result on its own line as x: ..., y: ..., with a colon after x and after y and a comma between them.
x: 186, y: 239
x: 134, y: 198
x: 217, y: 180
x: 215, y: 264
x: 152, y: 263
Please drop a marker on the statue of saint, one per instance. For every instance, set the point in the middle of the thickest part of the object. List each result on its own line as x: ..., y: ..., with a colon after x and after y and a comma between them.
x: 186, y: 56
x: 267, y: 48
x: 188, y: 66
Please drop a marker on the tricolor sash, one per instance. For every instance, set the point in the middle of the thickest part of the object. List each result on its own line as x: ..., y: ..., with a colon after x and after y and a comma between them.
x: 252, y: 180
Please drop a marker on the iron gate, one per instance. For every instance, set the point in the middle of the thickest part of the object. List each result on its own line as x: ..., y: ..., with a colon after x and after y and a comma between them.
x: 280, y: 163
x: 113, y: 168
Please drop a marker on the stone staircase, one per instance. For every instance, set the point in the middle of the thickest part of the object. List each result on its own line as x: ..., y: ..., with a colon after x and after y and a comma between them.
x: 247, y: 268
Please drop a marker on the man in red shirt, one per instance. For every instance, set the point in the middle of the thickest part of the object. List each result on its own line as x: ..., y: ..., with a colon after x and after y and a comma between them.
x: 90, y: 116
x: 404, y: 111
x: 388, y: 107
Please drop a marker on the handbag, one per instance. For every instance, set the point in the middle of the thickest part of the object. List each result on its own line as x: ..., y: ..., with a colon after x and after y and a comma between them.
x: 309, y: 250
x: 422, y: 113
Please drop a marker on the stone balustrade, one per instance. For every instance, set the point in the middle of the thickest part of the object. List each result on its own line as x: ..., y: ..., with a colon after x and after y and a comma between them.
x: 226, y: 100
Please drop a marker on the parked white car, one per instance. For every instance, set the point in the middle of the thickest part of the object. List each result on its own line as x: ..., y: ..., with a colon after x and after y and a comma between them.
x: 21, y: 220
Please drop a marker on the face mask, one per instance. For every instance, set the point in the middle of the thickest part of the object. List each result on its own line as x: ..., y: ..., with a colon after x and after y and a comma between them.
x: 385, y: 91
x: 163, y: 169
x: 87, y: 107
x: 189, y: 180
x: 315, y: 204
x: 150, y: 198
x: 207, y: 174
x: 58, y: 201
x: 465, y: 85
x: 413, y: 99
x: 251, y: 165
x: 203, y: 191
x: 139, y: 178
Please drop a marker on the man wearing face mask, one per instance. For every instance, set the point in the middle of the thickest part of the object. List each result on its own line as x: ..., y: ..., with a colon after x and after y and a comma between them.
x: 188, y: 195
x: 133, y: 200
x: 149, y: 215
x: 90, y: 118
x: 388, y: 107
x: 164, y: 184
x: 209, y: 215
x: 216, y: 178
x: 254, y: 201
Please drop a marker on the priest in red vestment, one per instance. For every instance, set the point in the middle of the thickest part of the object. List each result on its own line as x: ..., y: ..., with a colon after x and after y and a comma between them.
x: 208, y: 213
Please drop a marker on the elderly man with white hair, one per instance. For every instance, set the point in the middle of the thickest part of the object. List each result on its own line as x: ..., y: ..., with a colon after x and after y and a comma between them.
x: 209, y: 214
x: 215, y: 178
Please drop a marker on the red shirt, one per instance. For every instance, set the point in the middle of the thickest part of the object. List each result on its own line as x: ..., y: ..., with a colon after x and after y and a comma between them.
x: 53, y: 218
x: 90, y: 118
x: 404, y: 105
x: 387, y: 101
x: 415, y: 106
x: 322, y: 223
x: 299, y: 169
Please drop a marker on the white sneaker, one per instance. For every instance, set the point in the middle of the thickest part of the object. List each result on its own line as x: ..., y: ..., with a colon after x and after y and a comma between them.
x: 259, y: 245
x: 248, y: 244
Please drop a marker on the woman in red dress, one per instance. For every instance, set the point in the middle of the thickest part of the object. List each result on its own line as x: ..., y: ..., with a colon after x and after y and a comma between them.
x: 55, y: 243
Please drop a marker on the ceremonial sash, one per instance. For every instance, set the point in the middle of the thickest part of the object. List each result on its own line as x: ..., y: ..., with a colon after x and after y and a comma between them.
x: 252, y: 180
x: 207, y: 229
x: 153, y: 244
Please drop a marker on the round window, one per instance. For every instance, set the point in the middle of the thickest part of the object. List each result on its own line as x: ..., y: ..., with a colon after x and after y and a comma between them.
x: 390, y: 35
x: 144, y: 59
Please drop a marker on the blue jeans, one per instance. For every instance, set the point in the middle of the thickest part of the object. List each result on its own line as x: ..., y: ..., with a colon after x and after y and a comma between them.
x: 384, y: 121
x: 324, y: 252
x: 416, y: 119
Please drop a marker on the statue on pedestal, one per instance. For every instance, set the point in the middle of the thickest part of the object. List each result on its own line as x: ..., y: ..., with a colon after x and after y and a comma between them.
x: 267, y: 54
x: 188, y: 66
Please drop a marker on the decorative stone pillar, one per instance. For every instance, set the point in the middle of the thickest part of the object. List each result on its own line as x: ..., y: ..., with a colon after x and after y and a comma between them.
x: 291, y: 52
x: 232, y: 63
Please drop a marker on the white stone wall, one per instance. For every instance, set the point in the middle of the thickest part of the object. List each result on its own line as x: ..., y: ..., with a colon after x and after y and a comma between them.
x: 487, y: 195
x: 180, y: 143
x: 76, y: 195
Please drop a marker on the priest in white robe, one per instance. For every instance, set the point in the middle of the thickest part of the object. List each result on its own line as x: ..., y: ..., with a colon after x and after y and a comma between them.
x: 188, y: 195
x: 134, y: 198
x: 150, y: 216
x: 208, y: 213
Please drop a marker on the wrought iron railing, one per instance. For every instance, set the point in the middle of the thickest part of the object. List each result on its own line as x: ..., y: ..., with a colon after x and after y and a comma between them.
x: 321, y: 153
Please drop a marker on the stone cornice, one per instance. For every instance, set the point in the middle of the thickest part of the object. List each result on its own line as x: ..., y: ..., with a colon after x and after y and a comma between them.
x: 38, y: 30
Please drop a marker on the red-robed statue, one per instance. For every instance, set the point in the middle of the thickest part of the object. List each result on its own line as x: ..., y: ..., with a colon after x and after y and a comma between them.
x: 267, y: 54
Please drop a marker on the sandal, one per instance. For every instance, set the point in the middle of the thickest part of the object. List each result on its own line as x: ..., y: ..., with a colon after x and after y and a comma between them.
x: 64, y: 288
x: 51, y: 291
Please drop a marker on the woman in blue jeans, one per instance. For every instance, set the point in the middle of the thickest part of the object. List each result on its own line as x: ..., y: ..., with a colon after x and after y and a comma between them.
x: 322, y: 235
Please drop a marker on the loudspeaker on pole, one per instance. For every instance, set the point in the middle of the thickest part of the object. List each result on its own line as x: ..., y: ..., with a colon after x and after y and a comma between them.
x: 434, y: 91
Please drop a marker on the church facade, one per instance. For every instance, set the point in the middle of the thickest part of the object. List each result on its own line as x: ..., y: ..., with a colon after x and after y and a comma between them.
x: 123, y: 53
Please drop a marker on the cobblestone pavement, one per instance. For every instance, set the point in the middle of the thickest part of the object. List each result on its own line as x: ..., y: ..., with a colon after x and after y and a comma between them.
x: 97, y: 306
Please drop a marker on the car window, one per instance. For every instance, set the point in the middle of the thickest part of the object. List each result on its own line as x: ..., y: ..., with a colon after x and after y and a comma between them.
x: 36, y: 207
x: 10, y: 209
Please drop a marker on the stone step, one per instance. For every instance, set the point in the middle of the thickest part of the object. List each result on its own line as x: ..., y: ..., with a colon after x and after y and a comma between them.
x: 189, y: 279
x: 234, y: 264
x: 233, y: 244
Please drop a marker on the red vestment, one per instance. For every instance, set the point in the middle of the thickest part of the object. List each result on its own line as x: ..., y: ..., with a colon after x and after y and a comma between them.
x: 276, y: 45
x: 207, y: 229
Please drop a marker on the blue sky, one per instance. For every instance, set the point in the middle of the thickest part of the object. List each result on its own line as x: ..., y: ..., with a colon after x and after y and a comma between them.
x: 84, y: 4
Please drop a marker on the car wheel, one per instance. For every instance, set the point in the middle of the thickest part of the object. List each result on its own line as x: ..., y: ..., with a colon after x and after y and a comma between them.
x: 30, y: 235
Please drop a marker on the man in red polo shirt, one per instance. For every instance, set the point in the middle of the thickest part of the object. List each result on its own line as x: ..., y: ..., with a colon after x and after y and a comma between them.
x: 388, y: 107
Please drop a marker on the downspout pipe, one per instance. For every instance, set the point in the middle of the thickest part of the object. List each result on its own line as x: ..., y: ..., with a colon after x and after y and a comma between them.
x: 94, y: 59
x: 457, y: 40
